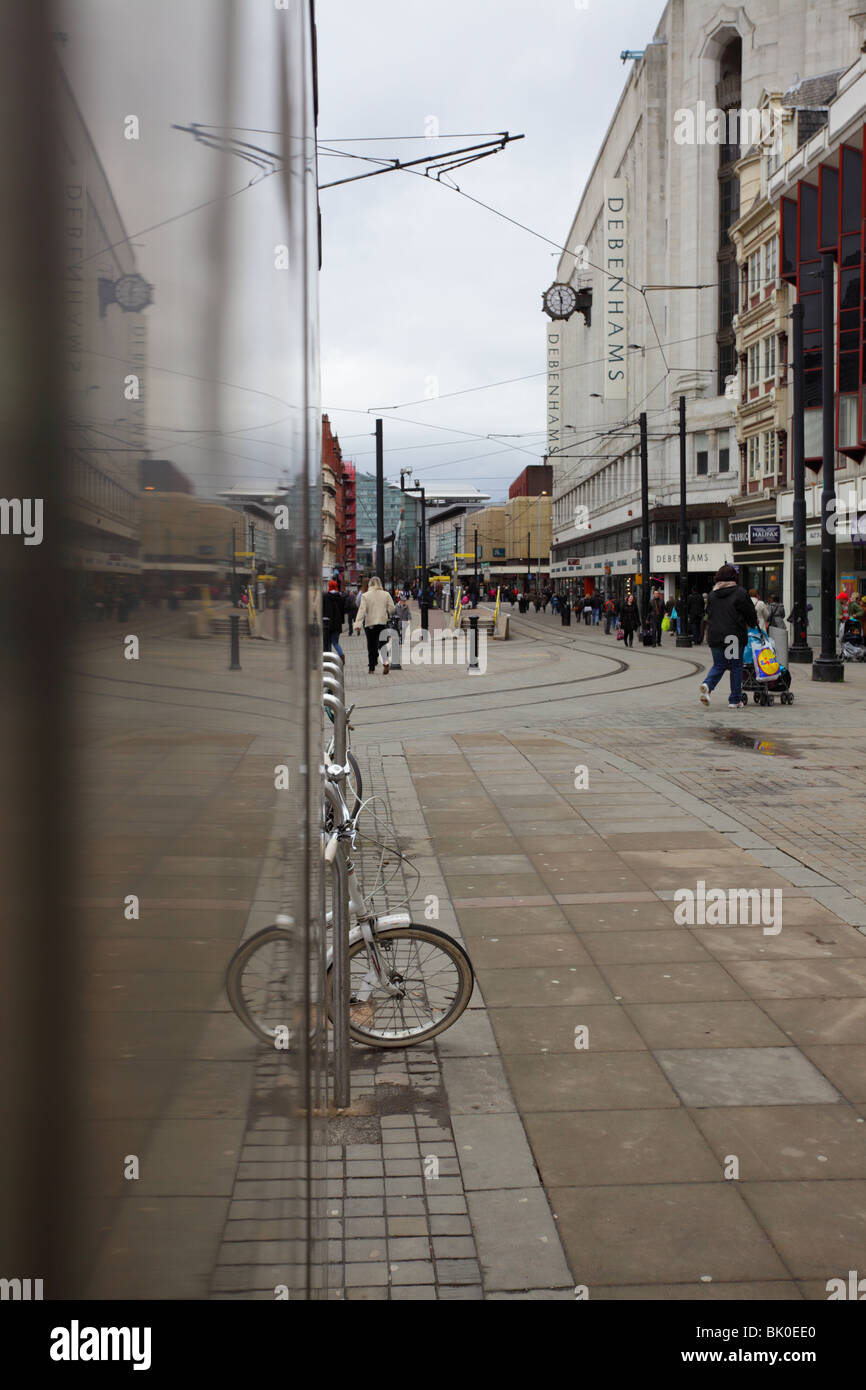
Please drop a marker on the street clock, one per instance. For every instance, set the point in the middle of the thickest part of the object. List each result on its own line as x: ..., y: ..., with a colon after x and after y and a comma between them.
x: 560, y: 301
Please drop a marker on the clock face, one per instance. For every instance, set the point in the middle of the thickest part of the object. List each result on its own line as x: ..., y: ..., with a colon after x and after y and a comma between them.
x: 560, y: 301
x: 132, y: 292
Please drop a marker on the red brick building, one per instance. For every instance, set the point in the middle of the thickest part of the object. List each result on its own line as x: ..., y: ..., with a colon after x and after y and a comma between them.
x: 533, y: 481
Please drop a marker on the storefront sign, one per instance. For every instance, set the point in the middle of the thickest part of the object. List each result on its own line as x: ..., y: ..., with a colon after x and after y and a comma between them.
x: 615, y: 233
x: 765, y: 533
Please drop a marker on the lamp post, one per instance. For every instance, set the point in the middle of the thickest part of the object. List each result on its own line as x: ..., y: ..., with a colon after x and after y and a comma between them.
x: 644, y: 506
x: 827, y: 666
x: 683, y: 636
x: 800, y: 652
x: 538, y: 538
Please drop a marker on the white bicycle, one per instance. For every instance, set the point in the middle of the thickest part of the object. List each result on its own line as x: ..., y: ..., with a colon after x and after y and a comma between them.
x: 407, y: 982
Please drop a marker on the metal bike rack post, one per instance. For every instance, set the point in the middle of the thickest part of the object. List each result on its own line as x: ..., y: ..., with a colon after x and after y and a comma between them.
x: 334, y: 702
x: 340, y: 949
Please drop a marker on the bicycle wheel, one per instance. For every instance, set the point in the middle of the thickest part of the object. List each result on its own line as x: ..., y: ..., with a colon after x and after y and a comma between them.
x: 435, y: 978
x: 261, y: 984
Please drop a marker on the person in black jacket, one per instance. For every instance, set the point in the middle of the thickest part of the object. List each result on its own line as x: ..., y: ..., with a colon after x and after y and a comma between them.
x: 629, y: 618
x: 695, y: 615
x: 334, y: 610
x: 730, y: 614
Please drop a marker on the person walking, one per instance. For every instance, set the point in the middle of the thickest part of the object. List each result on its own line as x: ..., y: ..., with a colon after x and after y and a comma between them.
x: 730, y: 614
x: 695, y: 615
x: 587, y: 610
x: 761, y: 609
x: 374, y: 610
x: 334, y: 610
x: 629, y: 619
x: 656, y: 614
x: 609, y: 614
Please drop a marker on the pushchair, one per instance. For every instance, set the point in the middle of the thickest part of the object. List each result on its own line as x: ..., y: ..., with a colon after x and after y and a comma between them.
x: 764, y: 675
x: 853, y: 646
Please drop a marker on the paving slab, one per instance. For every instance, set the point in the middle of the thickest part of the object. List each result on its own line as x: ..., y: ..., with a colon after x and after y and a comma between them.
x: 662, y: 1233
x: 744, y: 1076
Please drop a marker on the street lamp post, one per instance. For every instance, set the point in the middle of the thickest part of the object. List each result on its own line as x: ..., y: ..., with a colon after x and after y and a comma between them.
x: 827, y: 666
x: 538, y: 538
x: 683, y: 636
x: 799, y: 653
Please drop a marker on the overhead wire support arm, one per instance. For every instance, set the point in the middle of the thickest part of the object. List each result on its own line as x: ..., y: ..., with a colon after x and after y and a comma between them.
x: 438, y: 163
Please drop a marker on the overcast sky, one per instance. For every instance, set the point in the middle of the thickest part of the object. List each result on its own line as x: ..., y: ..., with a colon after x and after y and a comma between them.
x: 421, y: 290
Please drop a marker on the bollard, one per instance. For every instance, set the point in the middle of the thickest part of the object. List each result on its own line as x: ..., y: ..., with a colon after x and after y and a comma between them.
x: 566, y: 616
x: 395, y: 643
x: 473, y: 644
x: 235, y: 641
x: 326, y: 634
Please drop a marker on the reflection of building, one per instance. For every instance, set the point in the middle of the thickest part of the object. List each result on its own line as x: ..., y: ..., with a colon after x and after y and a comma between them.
x: 186, y: 542
x: 332, y: 474
x: 106, y: 355
x: 160, y: 475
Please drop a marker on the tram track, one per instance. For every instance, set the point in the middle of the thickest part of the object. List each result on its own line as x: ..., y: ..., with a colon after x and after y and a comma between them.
x: 401, y: 710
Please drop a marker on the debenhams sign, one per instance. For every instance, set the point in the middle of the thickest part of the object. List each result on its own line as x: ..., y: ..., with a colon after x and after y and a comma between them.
x: 615, y: 232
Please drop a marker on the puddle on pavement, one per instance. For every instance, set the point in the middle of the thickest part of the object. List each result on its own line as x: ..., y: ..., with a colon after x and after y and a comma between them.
x: 755, y: 743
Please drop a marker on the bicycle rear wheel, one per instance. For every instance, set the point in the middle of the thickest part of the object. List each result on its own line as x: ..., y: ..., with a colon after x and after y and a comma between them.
x: 435, y: 977
x: 262, y: 987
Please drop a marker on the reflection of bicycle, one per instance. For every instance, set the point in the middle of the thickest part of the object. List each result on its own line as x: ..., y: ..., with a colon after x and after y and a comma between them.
x: 407, y: 982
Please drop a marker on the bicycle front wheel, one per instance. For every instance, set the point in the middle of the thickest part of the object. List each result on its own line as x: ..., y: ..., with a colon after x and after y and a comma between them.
x: 262, y: 986
x: 434, y: 981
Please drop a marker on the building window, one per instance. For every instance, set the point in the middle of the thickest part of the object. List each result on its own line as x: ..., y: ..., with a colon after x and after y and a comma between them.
x: 702, y: 455
x: 753, y: 456
x: 754, y: 364
x: 848, y: 425
x: 770, y: 357
x: 771, y: 453
x: 754, y: 267
x: 725, y: 451
x: 771, y: 261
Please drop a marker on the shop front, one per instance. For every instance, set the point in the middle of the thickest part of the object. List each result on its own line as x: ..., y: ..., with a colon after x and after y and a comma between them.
x: 759, y: 554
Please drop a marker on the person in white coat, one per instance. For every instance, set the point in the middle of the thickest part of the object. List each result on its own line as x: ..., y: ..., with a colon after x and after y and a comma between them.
x: 374, y: 610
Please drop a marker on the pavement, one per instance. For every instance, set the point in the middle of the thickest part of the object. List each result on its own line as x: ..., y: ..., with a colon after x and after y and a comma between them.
x: 631, y: 1107
x: 686, y: 1102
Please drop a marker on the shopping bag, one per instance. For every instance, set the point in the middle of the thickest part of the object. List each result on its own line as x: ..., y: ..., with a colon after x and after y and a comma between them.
x: 620, y: 635
x: 666, y: 623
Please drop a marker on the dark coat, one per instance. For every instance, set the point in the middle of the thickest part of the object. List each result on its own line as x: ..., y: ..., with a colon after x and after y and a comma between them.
x: 629, y: 617
x: 334, y: 611
x: 695, y: 607
x: 731, y: 613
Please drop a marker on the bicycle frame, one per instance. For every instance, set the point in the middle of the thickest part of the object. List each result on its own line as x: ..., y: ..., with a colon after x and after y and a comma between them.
x: 367, y: 924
